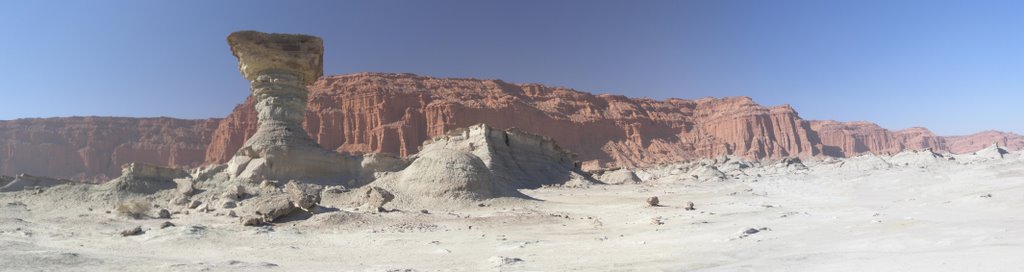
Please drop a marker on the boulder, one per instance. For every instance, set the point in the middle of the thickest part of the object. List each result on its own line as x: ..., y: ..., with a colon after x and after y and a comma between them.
x: 374, y: 198
x: 305, y: 196
x: 137, y: 230
x: 163, y: 214
x: 652, y: 201
x: 270, y: 208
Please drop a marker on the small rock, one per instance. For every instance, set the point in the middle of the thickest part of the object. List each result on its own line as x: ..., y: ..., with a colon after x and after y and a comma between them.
x: 751, y: 231
x: 657, y: 221
x: 375, y: 198
x: 689, y: 206
x: 232, y: 214
x: 228, y: 204
x: 652, y: 201
x: 251, y: 221
x: 267, y: 184
x: 194, y: 204
x: 424, y: 211
x: 163, y: 214
x: 132, y: 231
x: 185, y: 188
x: 166, y: 224
x: 986, y: 195
x: 335, y: 189
x: 268, y: 209
x: 503, y: 261
x: 305, y: 196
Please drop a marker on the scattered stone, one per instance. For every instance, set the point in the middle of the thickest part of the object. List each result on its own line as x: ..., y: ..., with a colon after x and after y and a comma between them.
x: 986, y: 195
x: 235, y: 193
x: 251, y: 221
x: 228, y: 204
x: 267, y: 184
x: 163, y: 214
x: 657, y: 221
x: 652, y: 201
x: 375, y: 198
x: 185, y: 187
x: 137, y: 230
x: 194, y: 204
x: 166, y: 224
x: 503, y: 261
x: 271, y: 208
x: 424, y: 211
x: 750, y: 231
x: 335, y: 189
x: 689, y: 206
x: 304, y: 196
x: 232, y: 214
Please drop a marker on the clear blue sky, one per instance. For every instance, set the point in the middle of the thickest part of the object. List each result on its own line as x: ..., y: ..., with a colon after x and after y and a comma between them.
x: 956, y: 67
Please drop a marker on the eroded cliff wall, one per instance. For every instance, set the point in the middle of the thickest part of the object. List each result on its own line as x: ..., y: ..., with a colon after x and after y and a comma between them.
x: 395, y: 113
x: 94, y: 148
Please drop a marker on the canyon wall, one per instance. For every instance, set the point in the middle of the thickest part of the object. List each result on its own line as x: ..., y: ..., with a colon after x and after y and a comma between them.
x: 396, y: 113
x: 94, y: 148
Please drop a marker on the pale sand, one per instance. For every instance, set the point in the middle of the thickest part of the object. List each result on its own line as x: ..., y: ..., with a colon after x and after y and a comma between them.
x: 936, y: 218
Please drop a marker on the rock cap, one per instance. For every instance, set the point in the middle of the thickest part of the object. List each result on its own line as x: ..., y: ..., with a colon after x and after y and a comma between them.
x: 258, y: 52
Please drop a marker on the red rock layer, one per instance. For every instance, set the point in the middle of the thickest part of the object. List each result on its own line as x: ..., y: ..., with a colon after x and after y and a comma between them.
x: 845, y: 139
x: 94, y: 148
x: 395, y: 113
x: 980, y: 140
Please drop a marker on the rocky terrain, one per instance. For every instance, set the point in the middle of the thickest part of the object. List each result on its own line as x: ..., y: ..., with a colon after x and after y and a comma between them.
x: 710, y: 184
x: 395, y: 113
x: 913, y: 211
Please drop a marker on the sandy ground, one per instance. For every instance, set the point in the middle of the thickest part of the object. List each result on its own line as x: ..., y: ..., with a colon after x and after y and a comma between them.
x: 944, y: 217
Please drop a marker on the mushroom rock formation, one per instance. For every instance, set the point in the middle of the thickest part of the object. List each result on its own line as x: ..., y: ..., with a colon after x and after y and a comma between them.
x: 279, y: 66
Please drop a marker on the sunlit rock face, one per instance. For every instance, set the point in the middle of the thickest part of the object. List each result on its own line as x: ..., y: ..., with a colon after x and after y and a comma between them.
x: 279, y: 66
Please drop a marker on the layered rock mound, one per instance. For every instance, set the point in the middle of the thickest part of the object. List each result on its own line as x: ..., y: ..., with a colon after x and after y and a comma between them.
x: 481, y: 162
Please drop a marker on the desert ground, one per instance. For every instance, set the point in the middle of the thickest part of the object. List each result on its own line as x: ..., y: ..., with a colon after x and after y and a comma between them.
x: 908, y: 212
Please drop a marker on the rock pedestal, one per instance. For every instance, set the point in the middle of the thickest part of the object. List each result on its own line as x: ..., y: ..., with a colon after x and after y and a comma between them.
x: 279, y: 66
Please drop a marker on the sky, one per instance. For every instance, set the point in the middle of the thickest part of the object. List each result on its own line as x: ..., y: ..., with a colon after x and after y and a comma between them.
x: 955, y: 67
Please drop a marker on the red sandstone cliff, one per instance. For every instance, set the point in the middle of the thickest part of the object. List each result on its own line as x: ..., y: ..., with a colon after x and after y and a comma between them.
x: 845, y: 139
x: 395, y: 113
x: 980, y: 140
x: 94, y: 148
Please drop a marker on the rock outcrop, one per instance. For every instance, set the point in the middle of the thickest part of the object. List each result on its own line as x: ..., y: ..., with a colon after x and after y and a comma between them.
x: 279, y: 66
x: 93, y: 149
x: 144, y: 178
x: 848, y: 139
x: 982, y: 140
x: 394, y: 113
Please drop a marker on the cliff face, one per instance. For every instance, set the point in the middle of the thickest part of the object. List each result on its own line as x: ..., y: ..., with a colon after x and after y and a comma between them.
x: 981, y: 140
x: 846, y: 139
x: 94, y: 148
x: 395, y: 113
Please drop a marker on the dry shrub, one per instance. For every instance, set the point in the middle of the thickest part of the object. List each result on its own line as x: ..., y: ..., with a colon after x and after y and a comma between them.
x: 135, y: 208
